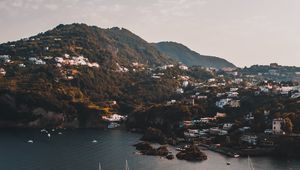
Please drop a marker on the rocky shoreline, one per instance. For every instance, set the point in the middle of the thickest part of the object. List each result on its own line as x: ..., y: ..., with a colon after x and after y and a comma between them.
x: 191, y: 153
x: 146, y: 149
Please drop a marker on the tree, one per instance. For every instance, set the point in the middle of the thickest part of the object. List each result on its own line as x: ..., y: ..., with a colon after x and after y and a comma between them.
x: 288, y: 125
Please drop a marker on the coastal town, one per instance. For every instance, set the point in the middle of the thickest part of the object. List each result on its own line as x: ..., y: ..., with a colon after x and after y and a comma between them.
x: 240, y: 122
x: 54, y: 82
x: 244, y: 123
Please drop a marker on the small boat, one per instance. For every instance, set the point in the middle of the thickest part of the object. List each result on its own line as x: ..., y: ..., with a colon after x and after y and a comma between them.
x: 59, y: 133
x: 126, y: 166
x: 49, y: 135
x: 236, y: 155
x: 228, y: 163
x: 30, y: 141
x: 250, y: 163
x: 94, y: 141
x: 53, y: 130
x: 44, y: 131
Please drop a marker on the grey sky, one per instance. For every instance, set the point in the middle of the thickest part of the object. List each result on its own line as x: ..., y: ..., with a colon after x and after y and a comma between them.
x: 244, y: 32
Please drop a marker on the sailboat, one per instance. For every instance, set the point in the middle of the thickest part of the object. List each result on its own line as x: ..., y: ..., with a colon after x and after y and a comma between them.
x: 250, y: 163
x: 126, y: 166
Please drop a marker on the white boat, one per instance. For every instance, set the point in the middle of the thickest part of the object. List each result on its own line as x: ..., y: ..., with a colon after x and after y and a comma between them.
x: 236, y: 155
x: 113, y: 125
x: 94, y: 141
x: 49, y: 135
x: 30, y: 141
x: 59, y: 133
x: 44, y: 131
x: 126, y: 166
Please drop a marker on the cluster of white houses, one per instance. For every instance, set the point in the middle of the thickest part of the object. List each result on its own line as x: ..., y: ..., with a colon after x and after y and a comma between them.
x: 75, y: 61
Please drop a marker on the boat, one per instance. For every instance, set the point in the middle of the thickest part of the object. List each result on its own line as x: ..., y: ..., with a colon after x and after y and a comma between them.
x: 30, y: 141
x: 59, y: 133
x: 236, y: 155
x: 228, y: 163
x: 49, y: 135
x: 44, y: 131
x: 251, y: 167
x: 113, y: 125
x: 126, y: 165
x: 94, y: 141
x: 100, y: 166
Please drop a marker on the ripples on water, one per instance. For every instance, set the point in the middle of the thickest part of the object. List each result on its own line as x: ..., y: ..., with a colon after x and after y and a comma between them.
x: 74, y: 150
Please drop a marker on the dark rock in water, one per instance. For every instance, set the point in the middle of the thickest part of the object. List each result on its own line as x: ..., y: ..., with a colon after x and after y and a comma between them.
x: 142, y: 146
x: 170, y: 156
x: 146, y: 149
x: 192, y: 153
x: 162, y: 151
x: 155, y: 135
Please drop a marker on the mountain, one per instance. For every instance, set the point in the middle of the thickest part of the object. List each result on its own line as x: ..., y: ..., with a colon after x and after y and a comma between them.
x: 185, y: 55
x: 102, y: 45
x: 71, y: 75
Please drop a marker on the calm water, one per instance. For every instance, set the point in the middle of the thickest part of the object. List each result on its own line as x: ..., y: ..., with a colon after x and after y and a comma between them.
x: 74, y: 150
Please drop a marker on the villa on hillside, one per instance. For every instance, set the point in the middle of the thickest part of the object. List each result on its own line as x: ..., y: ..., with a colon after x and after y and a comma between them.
x: 278, y: 126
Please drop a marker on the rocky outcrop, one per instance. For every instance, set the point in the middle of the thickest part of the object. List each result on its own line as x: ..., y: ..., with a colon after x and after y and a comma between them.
x: 146, y: 149
x: 192, y: 153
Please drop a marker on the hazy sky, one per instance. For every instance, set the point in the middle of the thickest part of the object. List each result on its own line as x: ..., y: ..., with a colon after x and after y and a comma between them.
x: 244, y: 32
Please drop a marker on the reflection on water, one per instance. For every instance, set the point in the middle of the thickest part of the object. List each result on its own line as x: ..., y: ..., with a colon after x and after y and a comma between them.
x: 75, y: 150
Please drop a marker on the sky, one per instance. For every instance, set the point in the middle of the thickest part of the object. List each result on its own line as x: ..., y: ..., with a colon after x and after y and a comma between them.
x: 245, y: 32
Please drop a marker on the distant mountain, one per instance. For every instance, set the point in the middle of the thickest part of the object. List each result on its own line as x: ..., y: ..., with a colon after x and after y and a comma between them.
x: 185, y: 55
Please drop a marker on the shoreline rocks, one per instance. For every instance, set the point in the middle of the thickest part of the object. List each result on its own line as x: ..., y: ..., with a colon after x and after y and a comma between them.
x: 192, y: 153
x: 146, y: 149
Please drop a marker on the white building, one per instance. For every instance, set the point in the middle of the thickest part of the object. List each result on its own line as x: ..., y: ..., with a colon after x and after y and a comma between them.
x: 5, y: 58
x: 2, y: 72
x: 22, y: 65
x: 227, y: 126
x: 277, y: 126
x: 233, y: 89
x: 185, y: 83
x: 232, y: 94
x: 183, y: 67
x: 223, y: 102
x: 211, y: 80
x: 179, y: 91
